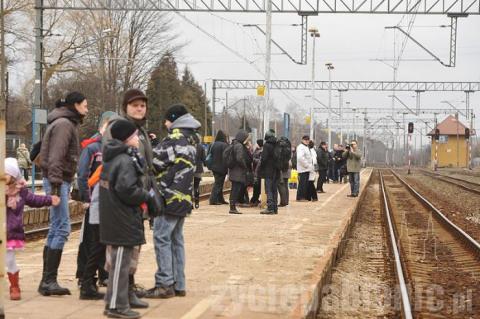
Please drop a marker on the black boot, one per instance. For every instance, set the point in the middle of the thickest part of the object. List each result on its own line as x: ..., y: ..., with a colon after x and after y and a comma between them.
x: 233, y: 209
x: 133, y: 299
x: 44, y: 269
x: 89, y: 291
x: 49, y: 286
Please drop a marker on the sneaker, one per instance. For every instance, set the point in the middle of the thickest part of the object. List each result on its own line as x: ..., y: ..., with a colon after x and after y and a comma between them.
x: 128, y: 314
x: 160, y: 292
x: 140, y: 291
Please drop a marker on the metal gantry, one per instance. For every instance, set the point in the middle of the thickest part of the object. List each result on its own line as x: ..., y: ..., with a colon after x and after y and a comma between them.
x: 312, y: 7
x: 420, y: 86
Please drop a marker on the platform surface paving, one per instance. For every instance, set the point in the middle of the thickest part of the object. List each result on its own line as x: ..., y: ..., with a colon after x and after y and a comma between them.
x: 237, y: 266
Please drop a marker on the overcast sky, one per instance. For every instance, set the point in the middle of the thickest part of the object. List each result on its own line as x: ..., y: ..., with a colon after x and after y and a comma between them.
x: 349, y: 41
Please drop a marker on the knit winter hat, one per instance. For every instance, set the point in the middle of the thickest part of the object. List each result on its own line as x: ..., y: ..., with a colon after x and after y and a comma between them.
x: 175, y: 111
x: 132, y: 95
x: 122, y: 130
x: 12, y: 169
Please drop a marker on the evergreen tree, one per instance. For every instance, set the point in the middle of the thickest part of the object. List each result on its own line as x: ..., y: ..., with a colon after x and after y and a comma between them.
x: 164, y: 89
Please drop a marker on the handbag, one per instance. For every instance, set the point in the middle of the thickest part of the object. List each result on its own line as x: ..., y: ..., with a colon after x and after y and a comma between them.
x: 156, y: 205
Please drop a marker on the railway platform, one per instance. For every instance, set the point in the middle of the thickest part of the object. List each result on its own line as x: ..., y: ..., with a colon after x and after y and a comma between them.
x: 237, y: 266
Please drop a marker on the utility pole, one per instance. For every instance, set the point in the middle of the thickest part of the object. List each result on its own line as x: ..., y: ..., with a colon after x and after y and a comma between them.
x: 3, y: 105
x: 314, y: 34
x: 244, y: 114
x: 458, y: 142
x: 268, y: 61
x: 206, y: 106
x: 330, y: 68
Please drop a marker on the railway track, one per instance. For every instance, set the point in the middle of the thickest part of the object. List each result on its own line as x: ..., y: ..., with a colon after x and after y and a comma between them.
x: 42, y: 230
x: 464, y: 184
x: 437, y: 264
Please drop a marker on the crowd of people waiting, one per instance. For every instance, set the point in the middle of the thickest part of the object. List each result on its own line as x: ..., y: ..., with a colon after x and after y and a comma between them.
x: 125, y: 175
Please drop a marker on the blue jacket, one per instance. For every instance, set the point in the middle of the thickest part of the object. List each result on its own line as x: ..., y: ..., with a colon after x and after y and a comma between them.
x: 90, y: 159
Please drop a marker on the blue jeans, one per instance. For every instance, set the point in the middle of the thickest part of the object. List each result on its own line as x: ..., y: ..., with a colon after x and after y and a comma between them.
x: 169, y: 251
x: 59, y: 217
x: 354, y: 179
x: 272, y: 193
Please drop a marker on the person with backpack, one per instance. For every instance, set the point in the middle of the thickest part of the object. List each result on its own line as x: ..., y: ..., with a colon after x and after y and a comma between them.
x: 58, y: 160
x: 283, y: 155
x: 304, y: 167
x: 239, y: 162
x: 216, y: 164
x: 322, y: 161
x: 91, y: 253
x: 257, y: 183
x: 269, y: 170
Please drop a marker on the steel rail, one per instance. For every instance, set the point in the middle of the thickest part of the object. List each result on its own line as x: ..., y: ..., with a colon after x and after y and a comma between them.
x: 453, y: 180
x: 457, y: 230
x: 406, y: 305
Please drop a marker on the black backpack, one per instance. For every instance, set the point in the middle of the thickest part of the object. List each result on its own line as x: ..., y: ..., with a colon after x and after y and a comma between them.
x: 228, y: 156
x: 282, y: 153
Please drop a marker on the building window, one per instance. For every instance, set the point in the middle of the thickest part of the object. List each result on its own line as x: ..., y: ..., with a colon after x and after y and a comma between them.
x: 443, y: 139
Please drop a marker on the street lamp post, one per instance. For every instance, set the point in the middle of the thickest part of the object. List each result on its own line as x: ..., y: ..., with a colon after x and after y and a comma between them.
x: 330, y: 68
x: 314, y: 34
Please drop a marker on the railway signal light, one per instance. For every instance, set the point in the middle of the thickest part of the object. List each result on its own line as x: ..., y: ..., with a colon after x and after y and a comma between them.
x: 410, y: 127
x: 437, y: 134
x: 467, y: 133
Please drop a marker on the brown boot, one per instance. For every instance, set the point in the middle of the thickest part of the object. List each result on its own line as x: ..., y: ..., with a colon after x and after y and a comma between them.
x: 14, y: 287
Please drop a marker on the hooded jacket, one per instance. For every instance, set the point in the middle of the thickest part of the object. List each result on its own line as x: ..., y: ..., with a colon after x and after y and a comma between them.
x: 145, y: 147
x: 174, y: 160
x: 90, y: 159
x: 121, y: 194
x: 267, y: 162
x: 60, y: 146
x: 216, y: 150
x: 243, y: 159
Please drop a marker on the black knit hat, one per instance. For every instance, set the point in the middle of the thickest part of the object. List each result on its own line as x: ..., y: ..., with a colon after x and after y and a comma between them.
x: 175, y: 111
x: 132, y: 95
x: 122, y: 130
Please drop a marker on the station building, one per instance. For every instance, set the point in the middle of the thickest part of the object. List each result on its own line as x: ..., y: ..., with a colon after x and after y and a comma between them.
x: 453, y: 148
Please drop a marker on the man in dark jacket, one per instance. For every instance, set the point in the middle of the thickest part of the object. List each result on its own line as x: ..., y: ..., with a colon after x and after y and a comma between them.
x: 121, y: 223
x: 174, y: 159
x: 257, y: 183
x: 322, y: 162
x: 269, y: 171
x: 218, y: 168
x: 134, y: 108
x: 241, y: 172
x: 59, y: 156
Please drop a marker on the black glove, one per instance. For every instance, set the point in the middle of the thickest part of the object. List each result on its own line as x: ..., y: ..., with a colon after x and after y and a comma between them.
x: 154, y: 204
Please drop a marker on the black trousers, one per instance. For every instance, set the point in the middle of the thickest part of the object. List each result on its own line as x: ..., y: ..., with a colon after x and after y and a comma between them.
x: 216, y: 196
x: 237, y: 193
x: 311, y: 192
x: 321, y: 179
x: 84, y: 251
x: 283, y: 191
x: 96, y: 255
x: 257, y: 190
x: 302, y: 190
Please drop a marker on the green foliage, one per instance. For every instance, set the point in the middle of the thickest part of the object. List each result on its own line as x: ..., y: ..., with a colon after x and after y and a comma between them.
x: 165, y: 88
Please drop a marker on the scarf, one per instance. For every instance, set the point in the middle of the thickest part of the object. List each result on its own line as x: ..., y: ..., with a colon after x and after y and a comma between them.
x: 13, y: 193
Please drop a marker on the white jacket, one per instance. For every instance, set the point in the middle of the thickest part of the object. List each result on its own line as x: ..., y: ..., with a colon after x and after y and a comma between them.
x: 304, y: 159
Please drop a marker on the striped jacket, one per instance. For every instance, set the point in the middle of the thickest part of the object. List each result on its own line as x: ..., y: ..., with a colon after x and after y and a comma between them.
x: 174, y: 159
